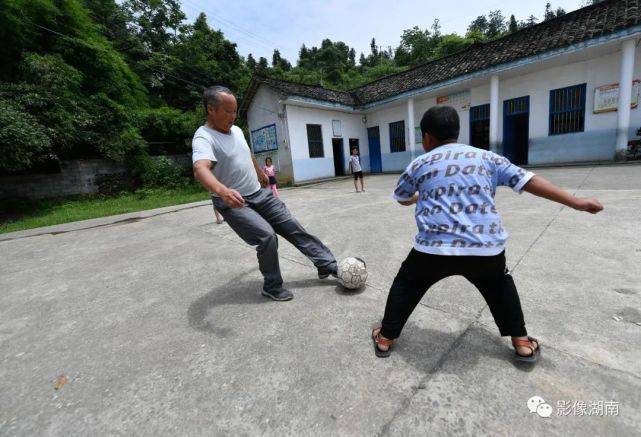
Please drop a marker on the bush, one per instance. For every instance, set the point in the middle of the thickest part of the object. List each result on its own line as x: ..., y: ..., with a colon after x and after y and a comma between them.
x: 22, y: 139
x: 160, y: 172
x: 167, y: 130
x: 114, y: 184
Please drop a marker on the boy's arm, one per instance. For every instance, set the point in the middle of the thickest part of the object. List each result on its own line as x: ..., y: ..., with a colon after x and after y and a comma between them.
x: 541, y: 187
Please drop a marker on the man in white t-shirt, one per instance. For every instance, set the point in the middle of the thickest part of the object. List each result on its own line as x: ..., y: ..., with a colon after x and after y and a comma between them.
x: 251, y: 211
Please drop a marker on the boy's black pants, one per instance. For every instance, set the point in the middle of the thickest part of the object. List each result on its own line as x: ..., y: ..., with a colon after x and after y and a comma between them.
x: 488, y: 273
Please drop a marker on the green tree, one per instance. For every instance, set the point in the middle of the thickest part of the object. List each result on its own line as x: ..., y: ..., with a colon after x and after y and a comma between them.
x: 513, y: 26
x: 251, y: 62
x: 479, y: 25
x: 530, y: 21
x: 23, y: 140
x: 417, y: 46
x: 495, y: 24
x: 373, y: 50
x: 157, y: 22
x: 201, y: 57
x: 352, y: 57
x: 262, y: 66
x: 61, y: 71
x: 550, y: 14
x: 452, y: 43
x: 279, y: 62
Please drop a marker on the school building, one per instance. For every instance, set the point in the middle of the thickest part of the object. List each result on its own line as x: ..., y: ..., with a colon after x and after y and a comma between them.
x: 563, y: 91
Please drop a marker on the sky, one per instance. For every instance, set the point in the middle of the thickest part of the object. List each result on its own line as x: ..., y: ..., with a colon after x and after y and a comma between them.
x: 258, y: 27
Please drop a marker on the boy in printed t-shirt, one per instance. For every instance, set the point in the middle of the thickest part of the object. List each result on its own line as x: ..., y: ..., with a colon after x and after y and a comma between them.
x: 460, y: 231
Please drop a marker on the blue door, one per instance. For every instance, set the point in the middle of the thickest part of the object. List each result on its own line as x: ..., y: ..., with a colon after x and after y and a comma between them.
x: 516, y: 124
x: 374, y: 141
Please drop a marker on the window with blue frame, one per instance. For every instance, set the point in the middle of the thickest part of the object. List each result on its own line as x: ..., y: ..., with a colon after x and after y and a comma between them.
x: 315, y: 141
x: 397, y: 136
x: 567, y: 110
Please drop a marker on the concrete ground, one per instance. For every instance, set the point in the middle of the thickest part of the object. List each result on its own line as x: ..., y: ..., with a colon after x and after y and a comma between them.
x: 157, y: 322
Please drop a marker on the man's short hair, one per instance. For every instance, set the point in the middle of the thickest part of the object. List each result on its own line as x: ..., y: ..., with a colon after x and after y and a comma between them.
x: 442, y: 122
x: 212, y: 96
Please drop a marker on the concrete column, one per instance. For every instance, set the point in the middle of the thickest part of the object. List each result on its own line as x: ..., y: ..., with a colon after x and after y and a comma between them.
x: 410, y: 126
x: 494, y: 113
x: 625, y: 98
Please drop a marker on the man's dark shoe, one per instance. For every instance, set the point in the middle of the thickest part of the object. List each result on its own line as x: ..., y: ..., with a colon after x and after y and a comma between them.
x: 324, y: 272
x: 280, y: 295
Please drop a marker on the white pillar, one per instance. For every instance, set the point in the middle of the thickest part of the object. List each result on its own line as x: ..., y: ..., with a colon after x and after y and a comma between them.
x: 625, y: 98
x: 410, y: 126
x: 494, y: 113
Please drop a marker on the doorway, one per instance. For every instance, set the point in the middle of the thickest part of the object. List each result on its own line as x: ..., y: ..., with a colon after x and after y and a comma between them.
x: 480, y: 126
x: 516, y: 126
x: 374, y: 141
x: 339, y: 159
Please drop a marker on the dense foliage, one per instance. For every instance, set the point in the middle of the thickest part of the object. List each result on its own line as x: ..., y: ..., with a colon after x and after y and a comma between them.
x: 123, y: 80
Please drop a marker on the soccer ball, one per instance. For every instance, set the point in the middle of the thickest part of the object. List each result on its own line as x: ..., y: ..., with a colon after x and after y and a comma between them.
x: 352, y: 273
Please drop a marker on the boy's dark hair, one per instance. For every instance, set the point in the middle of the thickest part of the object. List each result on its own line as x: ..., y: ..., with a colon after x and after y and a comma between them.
x: 268, y: 159
x: 442, y: 122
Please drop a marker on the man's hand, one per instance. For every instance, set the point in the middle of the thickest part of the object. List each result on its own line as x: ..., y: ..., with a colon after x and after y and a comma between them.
x: 263, y: 180
x: 232, y: 198
x: 589, y: 205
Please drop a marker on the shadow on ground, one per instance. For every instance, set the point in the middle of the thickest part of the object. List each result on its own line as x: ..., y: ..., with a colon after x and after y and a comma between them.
x: 242, y: 292
x: 418, y: 344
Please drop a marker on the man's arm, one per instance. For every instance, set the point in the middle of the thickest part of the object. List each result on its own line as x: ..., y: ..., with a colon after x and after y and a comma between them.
x: 202, y: 172
x: 262, y: 178
x: 541, y: 187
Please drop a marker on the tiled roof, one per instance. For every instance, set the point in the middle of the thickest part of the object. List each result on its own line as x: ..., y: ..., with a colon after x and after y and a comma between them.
x: 583, y: 24
x: 296, y: 89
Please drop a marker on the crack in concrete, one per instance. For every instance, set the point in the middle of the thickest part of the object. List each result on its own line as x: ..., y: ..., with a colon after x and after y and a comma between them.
x: 423, y: 381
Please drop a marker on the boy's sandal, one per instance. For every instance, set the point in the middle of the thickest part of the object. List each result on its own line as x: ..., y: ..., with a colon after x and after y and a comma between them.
x: 380, y: 341
x: 534, y: 354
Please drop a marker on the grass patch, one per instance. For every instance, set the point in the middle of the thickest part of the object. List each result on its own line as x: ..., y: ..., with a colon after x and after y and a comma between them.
x: 20, y: 215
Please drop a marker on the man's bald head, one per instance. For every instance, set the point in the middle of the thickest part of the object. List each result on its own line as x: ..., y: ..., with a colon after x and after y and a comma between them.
x: 220, y: 108
x: 213, y: 96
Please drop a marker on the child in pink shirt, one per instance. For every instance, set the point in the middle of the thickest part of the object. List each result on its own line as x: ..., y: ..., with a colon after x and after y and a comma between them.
x: 270, y: 172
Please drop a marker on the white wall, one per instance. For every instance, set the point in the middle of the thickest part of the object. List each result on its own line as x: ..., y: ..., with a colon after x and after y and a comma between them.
x: 264, y: 111
x: 597, y: 142
x: 383, y: 117
x: 306, y: 168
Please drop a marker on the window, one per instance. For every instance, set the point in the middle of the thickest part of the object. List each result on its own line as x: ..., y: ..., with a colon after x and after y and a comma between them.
x: 397, y: 136
x: 336, y: 128
x: 315, y: 141
x: 567, y: 110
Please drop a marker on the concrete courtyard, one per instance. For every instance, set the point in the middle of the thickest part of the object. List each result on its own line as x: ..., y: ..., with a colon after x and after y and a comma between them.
x: 156, y: 320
